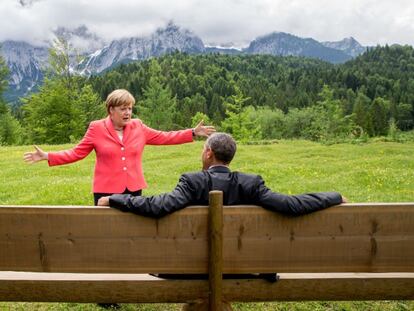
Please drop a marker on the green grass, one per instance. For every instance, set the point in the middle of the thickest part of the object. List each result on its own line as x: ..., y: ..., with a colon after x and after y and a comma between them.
x: 374, y: 172
x: 364, y: 173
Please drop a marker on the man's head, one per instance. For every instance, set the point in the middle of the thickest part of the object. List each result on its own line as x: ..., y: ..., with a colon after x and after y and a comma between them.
x: 219, y: 149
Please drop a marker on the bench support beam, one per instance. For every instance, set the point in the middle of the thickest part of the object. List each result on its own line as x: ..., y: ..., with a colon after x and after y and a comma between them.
x: 133, y: 288
x: 215, y: 260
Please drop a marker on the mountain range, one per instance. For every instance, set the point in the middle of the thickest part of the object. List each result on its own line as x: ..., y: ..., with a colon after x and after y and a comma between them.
x: 27, y: 62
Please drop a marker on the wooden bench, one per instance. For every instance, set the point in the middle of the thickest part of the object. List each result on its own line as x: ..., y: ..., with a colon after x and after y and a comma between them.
x: 98, y: 254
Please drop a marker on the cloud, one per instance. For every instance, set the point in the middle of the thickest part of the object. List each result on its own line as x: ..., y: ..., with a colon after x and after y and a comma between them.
x: 27, y: 2
x: 215, y: 21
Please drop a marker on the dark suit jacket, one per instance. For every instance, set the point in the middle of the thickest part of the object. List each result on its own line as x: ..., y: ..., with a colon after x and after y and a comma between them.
x: 238, y: 188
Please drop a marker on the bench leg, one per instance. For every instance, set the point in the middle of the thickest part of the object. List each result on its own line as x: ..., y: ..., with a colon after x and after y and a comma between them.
x: 202, y: 305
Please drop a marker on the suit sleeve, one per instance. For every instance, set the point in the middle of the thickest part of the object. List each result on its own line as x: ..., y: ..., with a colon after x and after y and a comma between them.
x: 156, y: 206
x: 77, y: 153
x: 294, y: 204
x: 154, y: 137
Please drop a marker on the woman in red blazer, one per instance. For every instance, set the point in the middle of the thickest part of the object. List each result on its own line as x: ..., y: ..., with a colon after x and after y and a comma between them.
x: 118, y: 142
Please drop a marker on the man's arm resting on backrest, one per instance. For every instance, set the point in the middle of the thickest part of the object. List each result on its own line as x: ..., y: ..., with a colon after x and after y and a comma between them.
x: 158, y: 205
x: 295, y: 204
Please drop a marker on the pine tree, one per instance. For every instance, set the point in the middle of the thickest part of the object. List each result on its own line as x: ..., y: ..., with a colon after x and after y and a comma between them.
x: 360, y: 112
x: 379, y: 114
x: 64, y: 106
x: 238, y: 122
x: 4, y: 73
x: 189, y: 106
x: 158, y: 107
x: 10, y: 129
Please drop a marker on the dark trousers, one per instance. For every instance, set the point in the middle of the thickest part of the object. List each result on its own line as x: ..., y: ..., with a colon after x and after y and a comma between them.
x: 98, y: 195
x: 271, y: 277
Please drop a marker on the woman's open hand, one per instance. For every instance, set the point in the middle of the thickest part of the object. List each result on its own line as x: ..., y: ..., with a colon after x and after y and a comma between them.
x: 36, y: 156
x: 203, y: 130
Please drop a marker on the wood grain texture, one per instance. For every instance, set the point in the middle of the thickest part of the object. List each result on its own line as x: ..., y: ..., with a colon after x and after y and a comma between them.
x: 346, y: 238
x: 36, y: 287
x: 215, y: 260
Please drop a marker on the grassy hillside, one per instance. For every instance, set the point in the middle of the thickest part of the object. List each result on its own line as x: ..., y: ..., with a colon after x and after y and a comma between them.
x: 375, y: 172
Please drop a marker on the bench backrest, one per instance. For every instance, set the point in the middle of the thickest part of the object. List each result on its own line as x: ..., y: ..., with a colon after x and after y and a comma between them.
x: 346, y: 238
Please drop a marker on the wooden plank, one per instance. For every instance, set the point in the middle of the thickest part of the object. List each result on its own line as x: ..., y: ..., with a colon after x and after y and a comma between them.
x: 347, y: 238
x: 95, y: 239
x: 324, y: 286
x: 124, y: 288
x: 215, y: 259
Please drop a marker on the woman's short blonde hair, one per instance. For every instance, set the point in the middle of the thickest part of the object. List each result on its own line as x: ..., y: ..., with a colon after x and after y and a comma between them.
x: 119, y: 97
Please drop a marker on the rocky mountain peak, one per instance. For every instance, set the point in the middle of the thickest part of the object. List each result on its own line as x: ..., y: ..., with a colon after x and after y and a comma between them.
x: 163, y: 40
x: 84, y: 41
x: 284, y: 44
x: 348, y: 45
x: 171, y: 27
x: 27, y: 62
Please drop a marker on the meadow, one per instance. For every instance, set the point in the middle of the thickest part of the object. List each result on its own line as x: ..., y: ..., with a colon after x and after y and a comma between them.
x: 370, y: 172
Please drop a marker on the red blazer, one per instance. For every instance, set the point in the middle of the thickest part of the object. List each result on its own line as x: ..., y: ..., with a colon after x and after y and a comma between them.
x: 118, y: 163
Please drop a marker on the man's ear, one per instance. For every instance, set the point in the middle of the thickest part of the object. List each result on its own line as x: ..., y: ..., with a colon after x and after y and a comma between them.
x: 209, y: 153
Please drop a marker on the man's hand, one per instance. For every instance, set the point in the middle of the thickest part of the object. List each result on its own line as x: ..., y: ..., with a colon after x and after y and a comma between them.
x: 202, y: 130
x: 104, y: 201
x: 33, y: 157
x: 344, y: 200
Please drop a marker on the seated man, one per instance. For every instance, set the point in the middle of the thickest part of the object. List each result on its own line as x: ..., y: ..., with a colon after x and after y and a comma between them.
x: 238, y: 188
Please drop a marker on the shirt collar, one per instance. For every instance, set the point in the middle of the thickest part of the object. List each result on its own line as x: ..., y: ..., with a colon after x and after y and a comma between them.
x: 219, y: 168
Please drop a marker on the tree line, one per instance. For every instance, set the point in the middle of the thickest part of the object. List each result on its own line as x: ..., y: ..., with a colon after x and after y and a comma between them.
x: 254, y: 97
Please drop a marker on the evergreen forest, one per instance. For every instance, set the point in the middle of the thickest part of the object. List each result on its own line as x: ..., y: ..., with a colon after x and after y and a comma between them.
x: 254, y: 97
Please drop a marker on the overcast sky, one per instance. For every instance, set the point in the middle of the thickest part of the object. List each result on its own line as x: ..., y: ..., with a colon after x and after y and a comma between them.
x: 371, y: 22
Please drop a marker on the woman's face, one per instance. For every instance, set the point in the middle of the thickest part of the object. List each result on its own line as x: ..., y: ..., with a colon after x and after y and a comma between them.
x: 121, y: 115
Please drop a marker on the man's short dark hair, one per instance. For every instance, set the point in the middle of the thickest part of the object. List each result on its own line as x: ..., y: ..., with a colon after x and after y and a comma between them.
x: 223, y: 146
